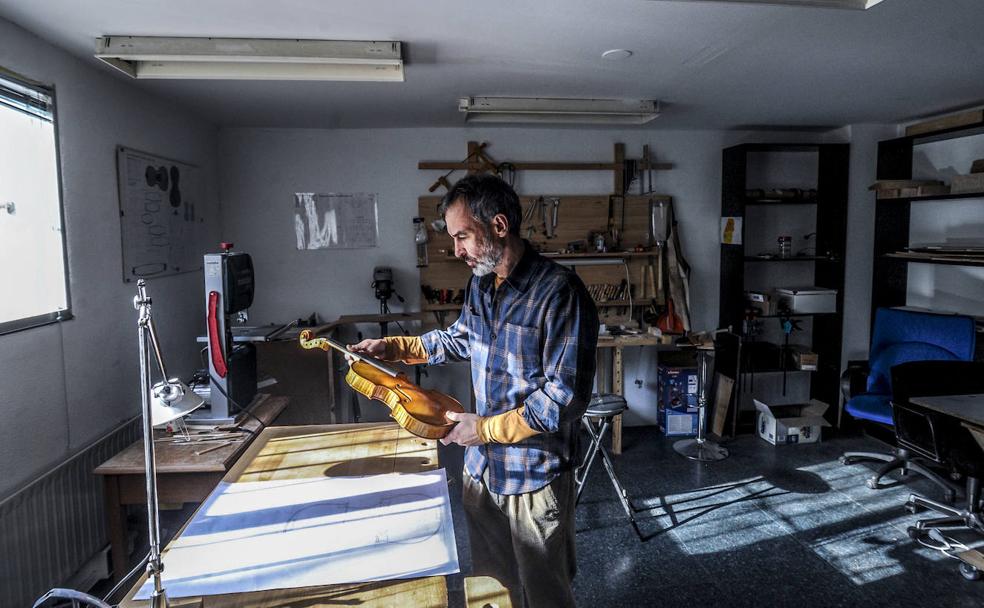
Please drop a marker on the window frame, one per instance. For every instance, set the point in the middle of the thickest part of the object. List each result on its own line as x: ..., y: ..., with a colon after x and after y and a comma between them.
x: 65, y: 314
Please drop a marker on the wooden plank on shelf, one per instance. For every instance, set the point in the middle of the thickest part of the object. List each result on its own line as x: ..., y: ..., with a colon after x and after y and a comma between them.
x: 442, y: 165
x: 944, y: 123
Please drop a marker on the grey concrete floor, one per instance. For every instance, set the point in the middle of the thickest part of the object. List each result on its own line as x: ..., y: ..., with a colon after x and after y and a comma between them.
x: 769, y: 526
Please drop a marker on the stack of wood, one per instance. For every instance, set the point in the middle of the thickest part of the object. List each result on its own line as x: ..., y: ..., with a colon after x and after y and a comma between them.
x: 908, y: 188
x: 605, y: 292
x: 969, y: 183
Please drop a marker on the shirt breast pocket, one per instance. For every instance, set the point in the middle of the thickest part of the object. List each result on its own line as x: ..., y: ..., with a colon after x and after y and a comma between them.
x: 522, y: 345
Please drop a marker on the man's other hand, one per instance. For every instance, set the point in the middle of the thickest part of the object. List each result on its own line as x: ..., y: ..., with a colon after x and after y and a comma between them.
x: 373, y: 347
x: 464, y: 433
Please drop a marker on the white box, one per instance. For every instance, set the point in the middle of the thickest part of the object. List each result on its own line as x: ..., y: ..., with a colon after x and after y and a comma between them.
x: 806, y: 299
x: 784, y: 424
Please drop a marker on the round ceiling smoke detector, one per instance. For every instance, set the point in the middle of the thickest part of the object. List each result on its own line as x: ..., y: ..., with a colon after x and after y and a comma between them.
x: 616, y: 54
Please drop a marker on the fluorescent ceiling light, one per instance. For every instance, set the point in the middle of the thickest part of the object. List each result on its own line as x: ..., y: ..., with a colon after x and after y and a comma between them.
x: 252, y: 58
x: 861, y: 5
x: 547, y: 110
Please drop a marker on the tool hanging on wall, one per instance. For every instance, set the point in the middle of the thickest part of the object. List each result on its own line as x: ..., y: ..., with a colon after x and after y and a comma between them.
x: 536, y: 204
x: 550, y: 228
x: 487, y: 164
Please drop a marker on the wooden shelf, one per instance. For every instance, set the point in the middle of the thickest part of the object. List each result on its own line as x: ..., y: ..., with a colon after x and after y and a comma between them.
x: 440, y: 307
x: 795, y: 314
x: 607, y: 254
x: 935, y: 259
x: 612, y: 303
x: 560, y: 256
x: 771, y: 202
x: 795, y: 258
x: 938, y: 197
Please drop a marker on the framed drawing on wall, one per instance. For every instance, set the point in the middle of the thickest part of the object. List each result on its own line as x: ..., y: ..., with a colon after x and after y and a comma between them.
x: 161, y: 214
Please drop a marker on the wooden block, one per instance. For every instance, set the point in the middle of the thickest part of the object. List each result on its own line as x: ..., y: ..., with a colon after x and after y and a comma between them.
x: 935, y: 190
x: 967, y: 183
x: 722, y: 401
x: 943, y: 123
x: 485, y: 592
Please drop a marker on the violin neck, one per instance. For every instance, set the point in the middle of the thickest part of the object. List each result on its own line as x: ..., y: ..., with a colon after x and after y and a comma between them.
x: 368, y: 360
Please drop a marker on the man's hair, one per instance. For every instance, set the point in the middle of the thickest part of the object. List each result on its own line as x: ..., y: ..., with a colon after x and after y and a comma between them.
x: 486, y: 196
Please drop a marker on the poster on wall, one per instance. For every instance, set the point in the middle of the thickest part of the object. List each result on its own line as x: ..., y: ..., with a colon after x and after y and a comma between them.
x: 335, y: 221
x: 161, y: 221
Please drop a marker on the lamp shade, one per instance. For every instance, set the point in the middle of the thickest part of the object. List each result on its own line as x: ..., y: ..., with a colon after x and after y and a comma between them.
x: 172, y: 399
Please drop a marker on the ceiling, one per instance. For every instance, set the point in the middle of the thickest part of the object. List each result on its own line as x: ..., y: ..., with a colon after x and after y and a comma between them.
x: 712, y: 65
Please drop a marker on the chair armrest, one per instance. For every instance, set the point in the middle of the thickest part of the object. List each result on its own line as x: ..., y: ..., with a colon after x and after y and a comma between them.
x: 854, y: 379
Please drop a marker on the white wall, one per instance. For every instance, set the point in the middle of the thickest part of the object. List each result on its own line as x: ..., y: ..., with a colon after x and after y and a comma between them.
x: 262, y: 168
x: 63, y: 386
x: 860, y: 234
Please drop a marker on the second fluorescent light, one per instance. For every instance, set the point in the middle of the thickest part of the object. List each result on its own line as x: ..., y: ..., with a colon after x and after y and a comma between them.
x: 555, y: 110
x: 252, y: 58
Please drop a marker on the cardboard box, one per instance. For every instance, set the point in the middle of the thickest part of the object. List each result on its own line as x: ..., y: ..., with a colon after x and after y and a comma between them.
x: 786, y: 424
x: 676, y: 423
x: 806, y: 299
x: 762, y: 302
x: 677, y: 406
x: 806, y: 360
x: 677, y: 387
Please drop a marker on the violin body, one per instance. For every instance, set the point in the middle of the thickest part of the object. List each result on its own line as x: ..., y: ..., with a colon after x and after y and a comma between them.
x: 418, y: 410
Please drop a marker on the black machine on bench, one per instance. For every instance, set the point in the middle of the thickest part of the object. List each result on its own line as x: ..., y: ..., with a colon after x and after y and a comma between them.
x: 229, y: 288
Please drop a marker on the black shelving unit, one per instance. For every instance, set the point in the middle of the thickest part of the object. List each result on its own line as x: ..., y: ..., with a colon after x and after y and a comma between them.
x: 892, y: 216
x: 828, y: 263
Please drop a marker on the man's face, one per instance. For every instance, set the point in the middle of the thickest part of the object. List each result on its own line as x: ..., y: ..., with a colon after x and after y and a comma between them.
x: 472, y: 242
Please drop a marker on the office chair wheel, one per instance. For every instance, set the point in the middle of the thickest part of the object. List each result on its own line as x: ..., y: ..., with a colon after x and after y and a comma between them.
x: 872, y: 482
x: 912, y: 508
x: 969, y: 572
x: 845, y: 460
x: 914, y: 532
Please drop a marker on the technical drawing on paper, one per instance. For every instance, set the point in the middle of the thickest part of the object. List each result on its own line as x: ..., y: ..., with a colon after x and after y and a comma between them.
x: 281, y: 534
x: 335, y: 221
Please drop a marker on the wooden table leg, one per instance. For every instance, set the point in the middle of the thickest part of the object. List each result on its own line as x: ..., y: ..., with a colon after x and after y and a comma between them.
x: 618, y: 389
x: 115, y: 525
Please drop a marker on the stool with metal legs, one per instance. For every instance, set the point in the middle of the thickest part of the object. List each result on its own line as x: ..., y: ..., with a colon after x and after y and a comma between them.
x: 700, y: 448
x: 597, y: 421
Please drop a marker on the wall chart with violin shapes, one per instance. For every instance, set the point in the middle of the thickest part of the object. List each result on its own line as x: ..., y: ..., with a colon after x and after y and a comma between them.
x: 161, y: 214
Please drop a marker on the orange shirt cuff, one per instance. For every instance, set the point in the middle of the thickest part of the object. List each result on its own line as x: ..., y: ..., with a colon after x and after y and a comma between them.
x: 409, y: 349
x: 509, y: 427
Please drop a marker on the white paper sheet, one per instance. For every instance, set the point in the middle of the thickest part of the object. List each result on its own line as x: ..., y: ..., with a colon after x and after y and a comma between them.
x: 299, y: 533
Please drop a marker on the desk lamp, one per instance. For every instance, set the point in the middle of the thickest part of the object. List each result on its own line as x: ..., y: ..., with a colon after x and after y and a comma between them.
x: 163, y: 402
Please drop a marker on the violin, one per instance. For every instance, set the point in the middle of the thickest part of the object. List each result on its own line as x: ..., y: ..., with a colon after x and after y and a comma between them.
x: 418, y: 410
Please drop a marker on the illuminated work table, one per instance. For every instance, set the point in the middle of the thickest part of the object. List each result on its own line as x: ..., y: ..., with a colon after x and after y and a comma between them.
x: 306, y: 452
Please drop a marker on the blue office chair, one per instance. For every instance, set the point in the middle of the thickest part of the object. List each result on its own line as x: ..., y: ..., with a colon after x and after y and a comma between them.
x: 900, y: 336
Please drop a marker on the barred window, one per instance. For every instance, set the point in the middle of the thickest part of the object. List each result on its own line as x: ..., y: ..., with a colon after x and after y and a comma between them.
x: 33, y: 268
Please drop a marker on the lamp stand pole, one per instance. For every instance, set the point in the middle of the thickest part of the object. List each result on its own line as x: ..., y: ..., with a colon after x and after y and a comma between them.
x: 700, y: 448
x: 145, y: 328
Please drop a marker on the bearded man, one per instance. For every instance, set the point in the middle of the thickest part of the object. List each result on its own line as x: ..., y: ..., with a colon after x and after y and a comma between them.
x: 529, y: 329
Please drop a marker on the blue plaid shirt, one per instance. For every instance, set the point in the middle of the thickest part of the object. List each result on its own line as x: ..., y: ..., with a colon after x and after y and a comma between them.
x: 531, y: 342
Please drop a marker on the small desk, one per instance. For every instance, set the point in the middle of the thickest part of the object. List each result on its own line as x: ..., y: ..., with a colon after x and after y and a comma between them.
x: 301, y: 452
x: 182, y: 476
x: 966, y: 408
x: 617, y: 343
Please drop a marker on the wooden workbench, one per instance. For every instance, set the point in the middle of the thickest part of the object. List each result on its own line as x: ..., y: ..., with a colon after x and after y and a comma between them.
x: 182, y: 474
x: 305, y: 452
x: 617, y: 343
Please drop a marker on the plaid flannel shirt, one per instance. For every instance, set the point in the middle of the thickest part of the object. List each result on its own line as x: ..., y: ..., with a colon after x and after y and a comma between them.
x: 531, y: 342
